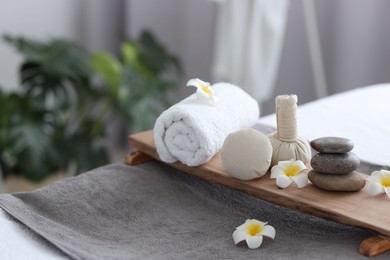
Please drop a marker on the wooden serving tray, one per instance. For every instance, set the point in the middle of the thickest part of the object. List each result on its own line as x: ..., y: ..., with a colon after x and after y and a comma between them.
x: 351, y: 208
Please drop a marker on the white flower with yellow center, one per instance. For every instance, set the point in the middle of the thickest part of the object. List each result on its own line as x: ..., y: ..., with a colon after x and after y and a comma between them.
x: 204, y: 91
x: 287, y: 172
x: 379, y: 182
x: 252, y: 231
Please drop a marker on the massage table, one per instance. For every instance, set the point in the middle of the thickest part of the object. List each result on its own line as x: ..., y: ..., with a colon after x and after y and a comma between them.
x: 193, y: 218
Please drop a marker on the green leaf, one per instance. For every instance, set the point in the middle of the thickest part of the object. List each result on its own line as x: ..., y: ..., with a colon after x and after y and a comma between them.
x: 32, y: 50
x: 156, y: 56
x: 177, y: 65
x: 32, y: 143
x: 50, y: 70
x: 109, y: 68
x: 81, y: 151
x: 131, y: 57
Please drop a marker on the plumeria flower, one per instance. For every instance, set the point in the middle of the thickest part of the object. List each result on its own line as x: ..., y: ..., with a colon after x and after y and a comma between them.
x: 287, y: 172
x: 204, y: 91
x: 379, y: 182
x: 252, y: 231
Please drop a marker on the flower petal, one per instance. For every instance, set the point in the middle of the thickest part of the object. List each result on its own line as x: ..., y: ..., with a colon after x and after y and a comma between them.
x: 283, y: 181
x: 201, y: 94
x: 374, y: 188
x: 196, y: 83
x: 213, y: 99
x: 285, y: 163
x: 276, y: 171
x: 268, y: 231
x: 261, y: 223
x: 387, y: 190
x: 385, y: 172
x: 374, y: 176
x: 300, y: 165
x: 243, y: 226
x: 254, y: 241
x: 300, y: 180
x: 238, y: 236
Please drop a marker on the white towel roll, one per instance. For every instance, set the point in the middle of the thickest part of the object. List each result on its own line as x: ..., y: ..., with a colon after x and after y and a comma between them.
x: 193, y: 131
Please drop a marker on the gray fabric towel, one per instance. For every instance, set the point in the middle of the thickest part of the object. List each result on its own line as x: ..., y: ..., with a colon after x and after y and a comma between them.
x: 152, y: 211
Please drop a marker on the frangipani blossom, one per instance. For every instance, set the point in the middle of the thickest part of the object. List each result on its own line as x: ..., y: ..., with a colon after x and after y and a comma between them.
x: 204, y: 91
x: 252, y: 231
x: 379, y: 182
x: 287, y: 172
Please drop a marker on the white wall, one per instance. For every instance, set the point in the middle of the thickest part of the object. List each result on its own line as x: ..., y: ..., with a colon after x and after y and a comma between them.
x: 359, y: 51
x: 39, y: 19
x: 103, y: 23
x: 356, y: 45
x: 96, y: 24
x: 295, y: 74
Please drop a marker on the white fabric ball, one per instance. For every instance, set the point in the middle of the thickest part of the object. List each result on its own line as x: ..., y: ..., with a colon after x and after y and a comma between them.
x: 246, y: 154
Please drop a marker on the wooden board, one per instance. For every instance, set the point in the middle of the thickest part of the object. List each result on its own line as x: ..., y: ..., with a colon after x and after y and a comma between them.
x: 352, y: 208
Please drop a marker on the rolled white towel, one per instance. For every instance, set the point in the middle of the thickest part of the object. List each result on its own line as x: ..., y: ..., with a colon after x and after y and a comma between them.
x: 193, y: 131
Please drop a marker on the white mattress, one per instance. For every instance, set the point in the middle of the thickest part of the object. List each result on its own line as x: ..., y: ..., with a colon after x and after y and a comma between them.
x: 19, y: 242
x: 362, y: 115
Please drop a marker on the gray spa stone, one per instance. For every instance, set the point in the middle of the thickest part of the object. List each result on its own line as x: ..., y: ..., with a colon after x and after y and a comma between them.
x: 332, y: 145
x: 335, y: 163
x: 348, y: 182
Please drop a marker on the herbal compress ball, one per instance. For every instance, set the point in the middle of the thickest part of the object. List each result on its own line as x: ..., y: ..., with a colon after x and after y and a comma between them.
x: 285, y: 141
x: 246, y: 154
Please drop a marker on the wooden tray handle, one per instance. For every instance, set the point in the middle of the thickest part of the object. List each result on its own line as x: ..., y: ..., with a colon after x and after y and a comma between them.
x: 374, y: 246
x: 137, y: 158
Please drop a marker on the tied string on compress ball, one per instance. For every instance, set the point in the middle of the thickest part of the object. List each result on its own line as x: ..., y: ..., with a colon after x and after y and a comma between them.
x: 286, y: 143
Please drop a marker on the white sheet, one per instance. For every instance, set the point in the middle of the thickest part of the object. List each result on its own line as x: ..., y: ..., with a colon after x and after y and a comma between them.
x: 362, y: 115
x: 19, y: 242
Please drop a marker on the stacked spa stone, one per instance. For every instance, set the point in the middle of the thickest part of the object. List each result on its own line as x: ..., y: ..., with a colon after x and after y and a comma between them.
x: 334, y: 166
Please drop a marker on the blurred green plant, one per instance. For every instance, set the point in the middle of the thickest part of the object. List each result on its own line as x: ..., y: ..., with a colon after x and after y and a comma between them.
x: 138, y: 82
x: 57, y: 120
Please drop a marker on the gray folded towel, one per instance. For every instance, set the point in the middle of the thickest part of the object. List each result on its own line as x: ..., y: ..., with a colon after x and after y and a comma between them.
x: 152, y: 211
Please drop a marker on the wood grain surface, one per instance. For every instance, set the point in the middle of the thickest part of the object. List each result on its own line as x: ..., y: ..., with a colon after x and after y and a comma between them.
x: 374, y: 246
x: 352, y: 208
